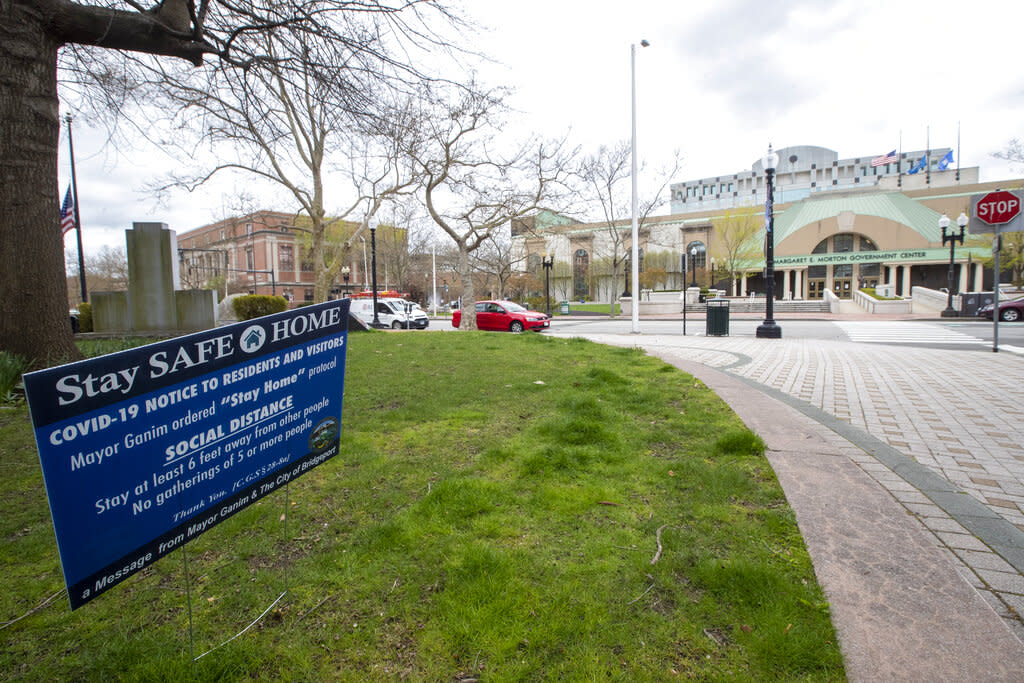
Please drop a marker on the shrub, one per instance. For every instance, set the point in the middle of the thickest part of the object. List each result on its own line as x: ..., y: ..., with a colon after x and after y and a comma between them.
x: 85, y: 317
x: 256, y: 306
x: 11, y: 368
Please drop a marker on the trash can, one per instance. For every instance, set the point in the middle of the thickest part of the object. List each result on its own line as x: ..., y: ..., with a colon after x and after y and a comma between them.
x: 564, y: 308
x: 970, y: 302
x: 718, y: 318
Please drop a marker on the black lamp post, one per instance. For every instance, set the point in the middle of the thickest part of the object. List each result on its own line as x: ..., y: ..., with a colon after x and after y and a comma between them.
x: 693, y: 265
x: 768, y: 329
x: 547, y: 262
x: 373, y: 266
x: 346, y: 273
x: 952, y: 238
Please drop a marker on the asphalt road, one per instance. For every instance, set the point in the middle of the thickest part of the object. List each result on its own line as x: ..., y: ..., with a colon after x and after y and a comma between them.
x: 967, y: 335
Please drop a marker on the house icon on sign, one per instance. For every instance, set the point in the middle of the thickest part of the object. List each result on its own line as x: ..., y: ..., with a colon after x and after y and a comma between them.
x: 252, y: 338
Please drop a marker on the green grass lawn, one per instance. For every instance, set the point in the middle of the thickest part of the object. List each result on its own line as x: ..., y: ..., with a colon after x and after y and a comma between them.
x: 590, y: 307
x: 504, y: 507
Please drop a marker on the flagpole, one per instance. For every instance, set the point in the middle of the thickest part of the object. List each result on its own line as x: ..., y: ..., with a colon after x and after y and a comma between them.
x: 928, y: 156
x: 78, y: 218
x: 899, y: 164
x: 957, y: 152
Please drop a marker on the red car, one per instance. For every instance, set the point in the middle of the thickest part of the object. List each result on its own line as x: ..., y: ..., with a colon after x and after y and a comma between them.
x: 505, y: 315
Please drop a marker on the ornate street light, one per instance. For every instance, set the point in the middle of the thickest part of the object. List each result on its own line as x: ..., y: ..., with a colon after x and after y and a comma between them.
x: 952, y: 238
x: 547, y: 262
x: 346, y: 273
x: 768, y: 329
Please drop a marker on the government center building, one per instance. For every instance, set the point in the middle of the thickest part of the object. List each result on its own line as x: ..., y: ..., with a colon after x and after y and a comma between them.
x: 840, y: 225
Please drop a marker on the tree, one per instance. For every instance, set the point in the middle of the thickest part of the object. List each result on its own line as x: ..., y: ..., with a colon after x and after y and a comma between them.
x: 320, y: 107
x: 1011, y: 255
x: 1014, y: 152
x: 495, y: 260
x: 33, y: 309
x: 472, y: 190
x: 735, y: 246
x: 606, y: 177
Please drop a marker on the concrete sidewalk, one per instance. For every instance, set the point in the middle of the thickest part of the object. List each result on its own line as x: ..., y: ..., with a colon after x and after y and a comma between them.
x: 910, y: 502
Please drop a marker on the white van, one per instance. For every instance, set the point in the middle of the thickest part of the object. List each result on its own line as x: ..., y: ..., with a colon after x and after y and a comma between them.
x: 394, y: 313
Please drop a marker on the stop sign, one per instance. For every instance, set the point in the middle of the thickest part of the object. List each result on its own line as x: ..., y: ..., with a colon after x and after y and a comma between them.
x: 998, y: 207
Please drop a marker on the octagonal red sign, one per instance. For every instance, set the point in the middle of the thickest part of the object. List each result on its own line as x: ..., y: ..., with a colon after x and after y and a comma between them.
x: 998, y: 207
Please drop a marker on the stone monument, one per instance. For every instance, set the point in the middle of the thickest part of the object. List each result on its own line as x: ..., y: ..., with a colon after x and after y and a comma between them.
x: 154, y: 301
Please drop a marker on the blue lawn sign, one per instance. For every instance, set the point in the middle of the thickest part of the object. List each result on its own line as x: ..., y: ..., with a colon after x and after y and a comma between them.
x: 145, y: 449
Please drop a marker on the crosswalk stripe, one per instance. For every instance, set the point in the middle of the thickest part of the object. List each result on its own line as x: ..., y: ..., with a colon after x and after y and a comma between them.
x: 904, y: 333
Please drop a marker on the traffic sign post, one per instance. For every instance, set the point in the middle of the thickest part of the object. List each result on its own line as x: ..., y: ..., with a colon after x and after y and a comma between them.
x: 996, y: 212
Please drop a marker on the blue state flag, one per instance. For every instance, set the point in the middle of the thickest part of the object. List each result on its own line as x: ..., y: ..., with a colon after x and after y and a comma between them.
x: 946, y: 160
x: 919, y: 166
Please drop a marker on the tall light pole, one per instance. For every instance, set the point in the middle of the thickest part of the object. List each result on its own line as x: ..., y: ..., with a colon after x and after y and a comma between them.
x: 635, y: 265
x: 952, y: 238
x: 373, y: 265
x: 768, y: 329
x: 433, y: 268
x: 346, y: 273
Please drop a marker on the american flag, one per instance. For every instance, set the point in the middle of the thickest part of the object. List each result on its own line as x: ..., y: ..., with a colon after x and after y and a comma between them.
x: 67, y: 213
x: 889, y: 158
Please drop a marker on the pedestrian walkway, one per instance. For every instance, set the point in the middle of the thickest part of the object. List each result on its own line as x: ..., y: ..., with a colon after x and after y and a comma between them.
x: 905, y: 469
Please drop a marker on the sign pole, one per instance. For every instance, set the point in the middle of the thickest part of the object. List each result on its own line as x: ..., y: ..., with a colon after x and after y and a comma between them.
x: 998, y: 212
x: 997, y: 243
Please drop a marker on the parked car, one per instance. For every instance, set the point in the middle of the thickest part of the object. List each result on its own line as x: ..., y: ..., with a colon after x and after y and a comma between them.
x: 394, y: 313
x: 1009, y: 311
x: 505, y: 316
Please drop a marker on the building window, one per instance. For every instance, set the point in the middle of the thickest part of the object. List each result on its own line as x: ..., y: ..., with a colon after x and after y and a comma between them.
x: 580, y: 270
x: 842, y: 243
x: 308, y: 294
x: 286, y: 258
x: 249, y: 261
x: 698, y: 260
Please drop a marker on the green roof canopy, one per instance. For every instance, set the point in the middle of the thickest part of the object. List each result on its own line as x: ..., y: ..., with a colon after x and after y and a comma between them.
x: 894, y: 206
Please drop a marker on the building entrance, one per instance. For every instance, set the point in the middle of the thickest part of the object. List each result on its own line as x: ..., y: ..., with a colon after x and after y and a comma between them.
x: 844, y: 287
x: 815, y: 289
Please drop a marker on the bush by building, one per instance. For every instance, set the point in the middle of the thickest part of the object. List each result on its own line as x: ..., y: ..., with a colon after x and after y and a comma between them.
x: 258, y: 305
x: 85, y: 317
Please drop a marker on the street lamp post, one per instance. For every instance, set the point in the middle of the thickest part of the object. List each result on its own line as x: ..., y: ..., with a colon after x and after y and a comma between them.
x: 693, y: 265
x: 768, y: 329
x: 952, y: 238
x: 635, y: 265
x: 547, y: 262
x: 346, y: 273
x: 373, y: 265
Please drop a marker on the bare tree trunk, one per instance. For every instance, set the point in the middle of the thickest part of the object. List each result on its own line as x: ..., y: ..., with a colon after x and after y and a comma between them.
x: 33, y: 312
x: 468, y: 321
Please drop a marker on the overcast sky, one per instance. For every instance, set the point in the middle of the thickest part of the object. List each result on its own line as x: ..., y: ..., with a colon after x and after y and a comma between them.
x: 719, y: 81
